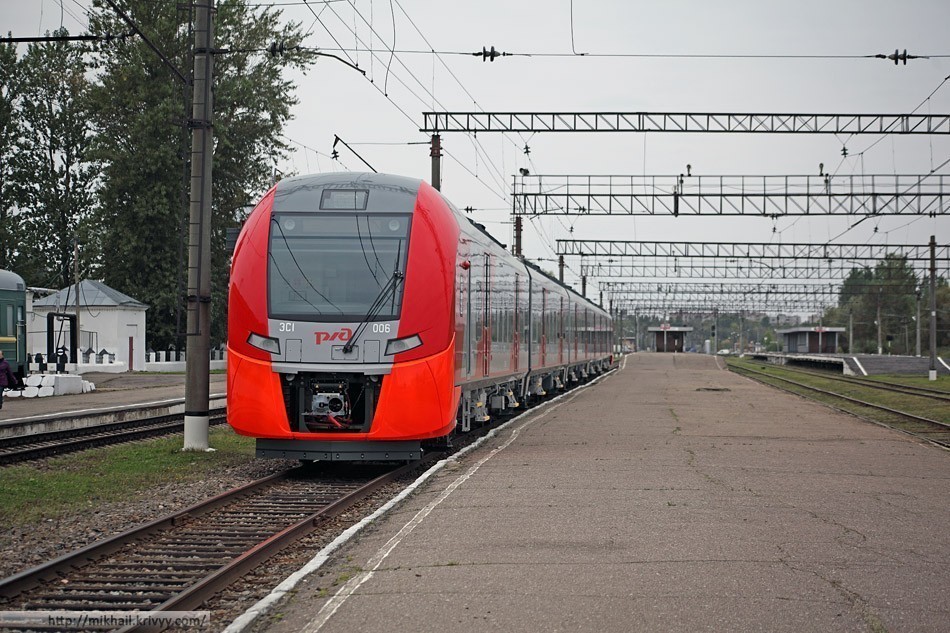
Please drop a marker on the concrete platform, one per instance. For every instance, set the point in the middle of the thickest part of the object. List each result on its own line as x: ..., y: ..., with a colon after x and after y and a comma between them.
x: 149, y: 394
x: 858, y: 364
x: 673, y: 496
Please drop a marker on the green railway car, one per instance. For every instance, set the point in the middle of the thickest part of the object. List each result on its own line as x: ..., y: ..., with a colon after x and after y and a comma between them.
x: 13, y: 321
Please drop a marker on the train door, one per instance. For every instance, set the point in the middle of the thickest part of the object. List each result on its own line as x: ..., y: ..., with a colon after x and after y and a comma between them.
x: 586, y: 334
x: 469, y: 330
x: 487, y: 320
x: 560, y: 331
x: 542, y: 346
x: 516, y: 325
x: 8, y: 333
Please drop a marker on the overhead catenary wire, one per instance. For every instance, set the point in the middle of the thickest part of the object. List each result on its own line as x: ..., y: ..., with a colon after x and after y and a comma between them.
x: 410, y: 90
x: 709, y: 56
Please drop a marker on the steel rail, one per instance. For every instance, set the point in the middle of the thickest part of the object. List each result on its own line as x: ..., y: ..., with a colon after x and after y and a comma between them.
x: 32, y: 577
x: 33, y: 446
x: 207, y: 587
x: 938, y: 427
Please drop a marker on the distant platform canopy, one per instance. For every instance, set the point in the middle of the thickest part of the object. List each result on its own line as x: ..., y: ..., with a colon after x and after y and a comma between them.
x: 810, y: 339
x: 670, y: 338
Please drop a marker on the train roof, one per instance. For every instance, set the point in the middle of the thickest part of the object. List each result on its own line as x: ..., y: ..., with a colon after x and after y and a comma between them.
x: 11, y: 281
x: 569, y: 289
x: 385, y: 193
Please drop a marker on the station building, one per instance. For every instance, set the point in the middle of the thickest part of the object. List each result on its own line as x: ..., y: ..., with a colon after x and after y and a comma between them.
x: 810, y: 340
x: 110, y: 321
x: 669, y: 338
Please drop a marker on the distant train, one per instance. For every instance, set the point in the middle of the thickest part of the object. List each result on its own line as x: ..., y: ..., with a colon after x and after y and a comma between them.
x: 13, y: 322
x: 368, y: 316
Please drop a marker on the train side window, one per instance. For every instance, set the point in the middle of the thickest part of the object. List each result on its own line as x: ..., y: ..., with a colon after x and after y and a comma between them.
x: 8, y: 320
x: 20, y: 318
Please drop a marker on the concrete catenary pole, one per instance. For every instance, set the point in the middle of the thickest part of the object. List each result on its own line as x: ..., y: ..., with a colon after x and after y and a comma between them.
x: 516, y: 251
x: 880, y: 347
x: 715, y: 349
x: 851, y: 331
x: 918, y: 322
x: 198, y: 362
x: 933, y: 308
x: 436, y: 153
x: 78, y: 352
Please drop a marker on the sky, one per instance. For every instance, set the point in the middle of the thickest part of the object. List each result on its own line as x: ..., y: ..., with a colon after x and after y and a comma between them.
x: 380, y: 114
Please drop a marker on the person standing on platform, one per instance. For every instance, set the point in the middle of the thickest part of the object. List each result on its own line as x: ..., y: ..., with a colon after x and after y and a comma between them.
x: 7, y: 378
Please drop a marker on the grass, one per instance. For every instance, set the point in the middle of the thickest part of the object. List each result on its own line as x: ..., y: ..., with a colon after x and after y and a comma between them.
x: 942, y: 383
x: 81, y: 481
x: 917, y: 405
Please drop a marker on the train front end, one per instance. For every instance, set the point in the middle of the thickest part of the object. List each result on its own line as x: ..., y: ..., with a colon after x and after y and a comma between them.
x: 340, y: 321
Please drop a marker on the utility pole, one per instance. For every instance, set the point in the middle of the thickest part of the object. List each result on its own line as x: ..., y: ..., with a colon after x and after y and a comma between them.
x: 78, y: 352
x: 932, y: 375
x: 918, y: 321
x: 197, y: 357
x: 623, y: 314
x: 613, y: 327
x: 636, y: 334
x: 715, y: 349
x: 741, y: 324
x: 851, y: 330
x: 560, y: 268
x: 436, y: 153
x: 584, y: 286
x: 517, y: 249
x: 880, y: 348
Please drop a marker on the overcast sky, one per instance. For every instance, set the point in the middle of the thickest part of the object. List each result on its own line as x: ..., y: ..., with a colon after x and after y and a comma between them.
x: 335, y: 99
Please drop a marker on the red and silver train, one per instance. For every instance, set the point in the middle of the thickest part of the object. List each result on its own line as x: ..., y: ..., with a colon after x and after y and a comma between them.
x: 367, y: 316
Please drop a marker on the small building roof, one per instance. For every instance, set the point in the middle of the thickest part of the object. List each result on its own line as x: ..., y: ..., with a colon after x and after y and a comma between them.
x: 670, y: 328
x: 811, y: 328
x: 91, y: 294
x: 11, y: 281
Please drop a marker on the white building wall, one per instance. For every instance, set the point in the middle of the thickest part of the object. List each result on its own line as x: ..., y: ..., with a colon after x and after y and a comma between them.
x: 113, y: 326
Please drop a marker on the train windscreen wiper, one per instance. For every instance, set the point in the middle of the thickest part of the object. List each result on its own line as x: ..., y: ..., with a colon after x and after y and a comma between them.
x: 381, y: 299
x: 390, y: 288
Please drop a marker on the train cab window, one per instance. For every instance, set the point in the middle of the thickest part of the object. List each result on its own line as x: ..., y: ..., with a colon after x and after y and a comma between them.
x: 326, y: 266
x: 344, y: 199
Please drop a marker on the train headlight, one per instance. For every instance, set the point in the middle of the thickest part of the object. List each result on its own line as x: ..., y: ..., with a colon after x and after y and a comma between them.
x: 265, y: 343
x: 397, y: 345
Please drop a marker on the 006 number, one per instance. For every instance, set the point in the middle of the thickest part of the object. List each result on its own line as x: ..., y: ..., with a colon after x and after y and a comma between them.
x: 381, y: 328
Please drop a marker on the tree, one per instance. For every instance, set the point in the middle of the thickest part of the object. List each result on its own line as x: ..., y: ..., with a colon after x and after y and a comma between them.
x: 144, y: 146
x: 51, y: 172
x: 9, y: 133
x: 888, y: 290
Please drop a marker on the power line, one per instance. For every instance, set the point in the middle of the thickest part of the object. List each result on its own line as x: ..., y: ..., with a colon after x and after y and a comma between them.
x: 711, y: 56
x: 403, y: 83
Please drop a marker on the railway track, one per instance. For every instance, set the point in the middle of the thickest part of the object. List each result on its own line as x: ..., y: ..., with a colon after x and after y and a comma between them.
x: 935, y: 394
x: 37, y: 445
x: 933, y: 431
x: 178, y: 562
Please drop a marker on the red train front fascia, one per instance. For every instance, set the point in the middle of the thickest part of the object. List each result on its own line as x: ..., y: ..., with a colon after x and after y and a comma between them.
x: 366, y: 315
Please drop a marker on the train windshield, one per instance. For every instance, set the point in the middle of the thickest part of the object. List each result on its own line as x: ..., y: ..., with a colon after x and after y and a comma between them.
x: 332, y: 267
